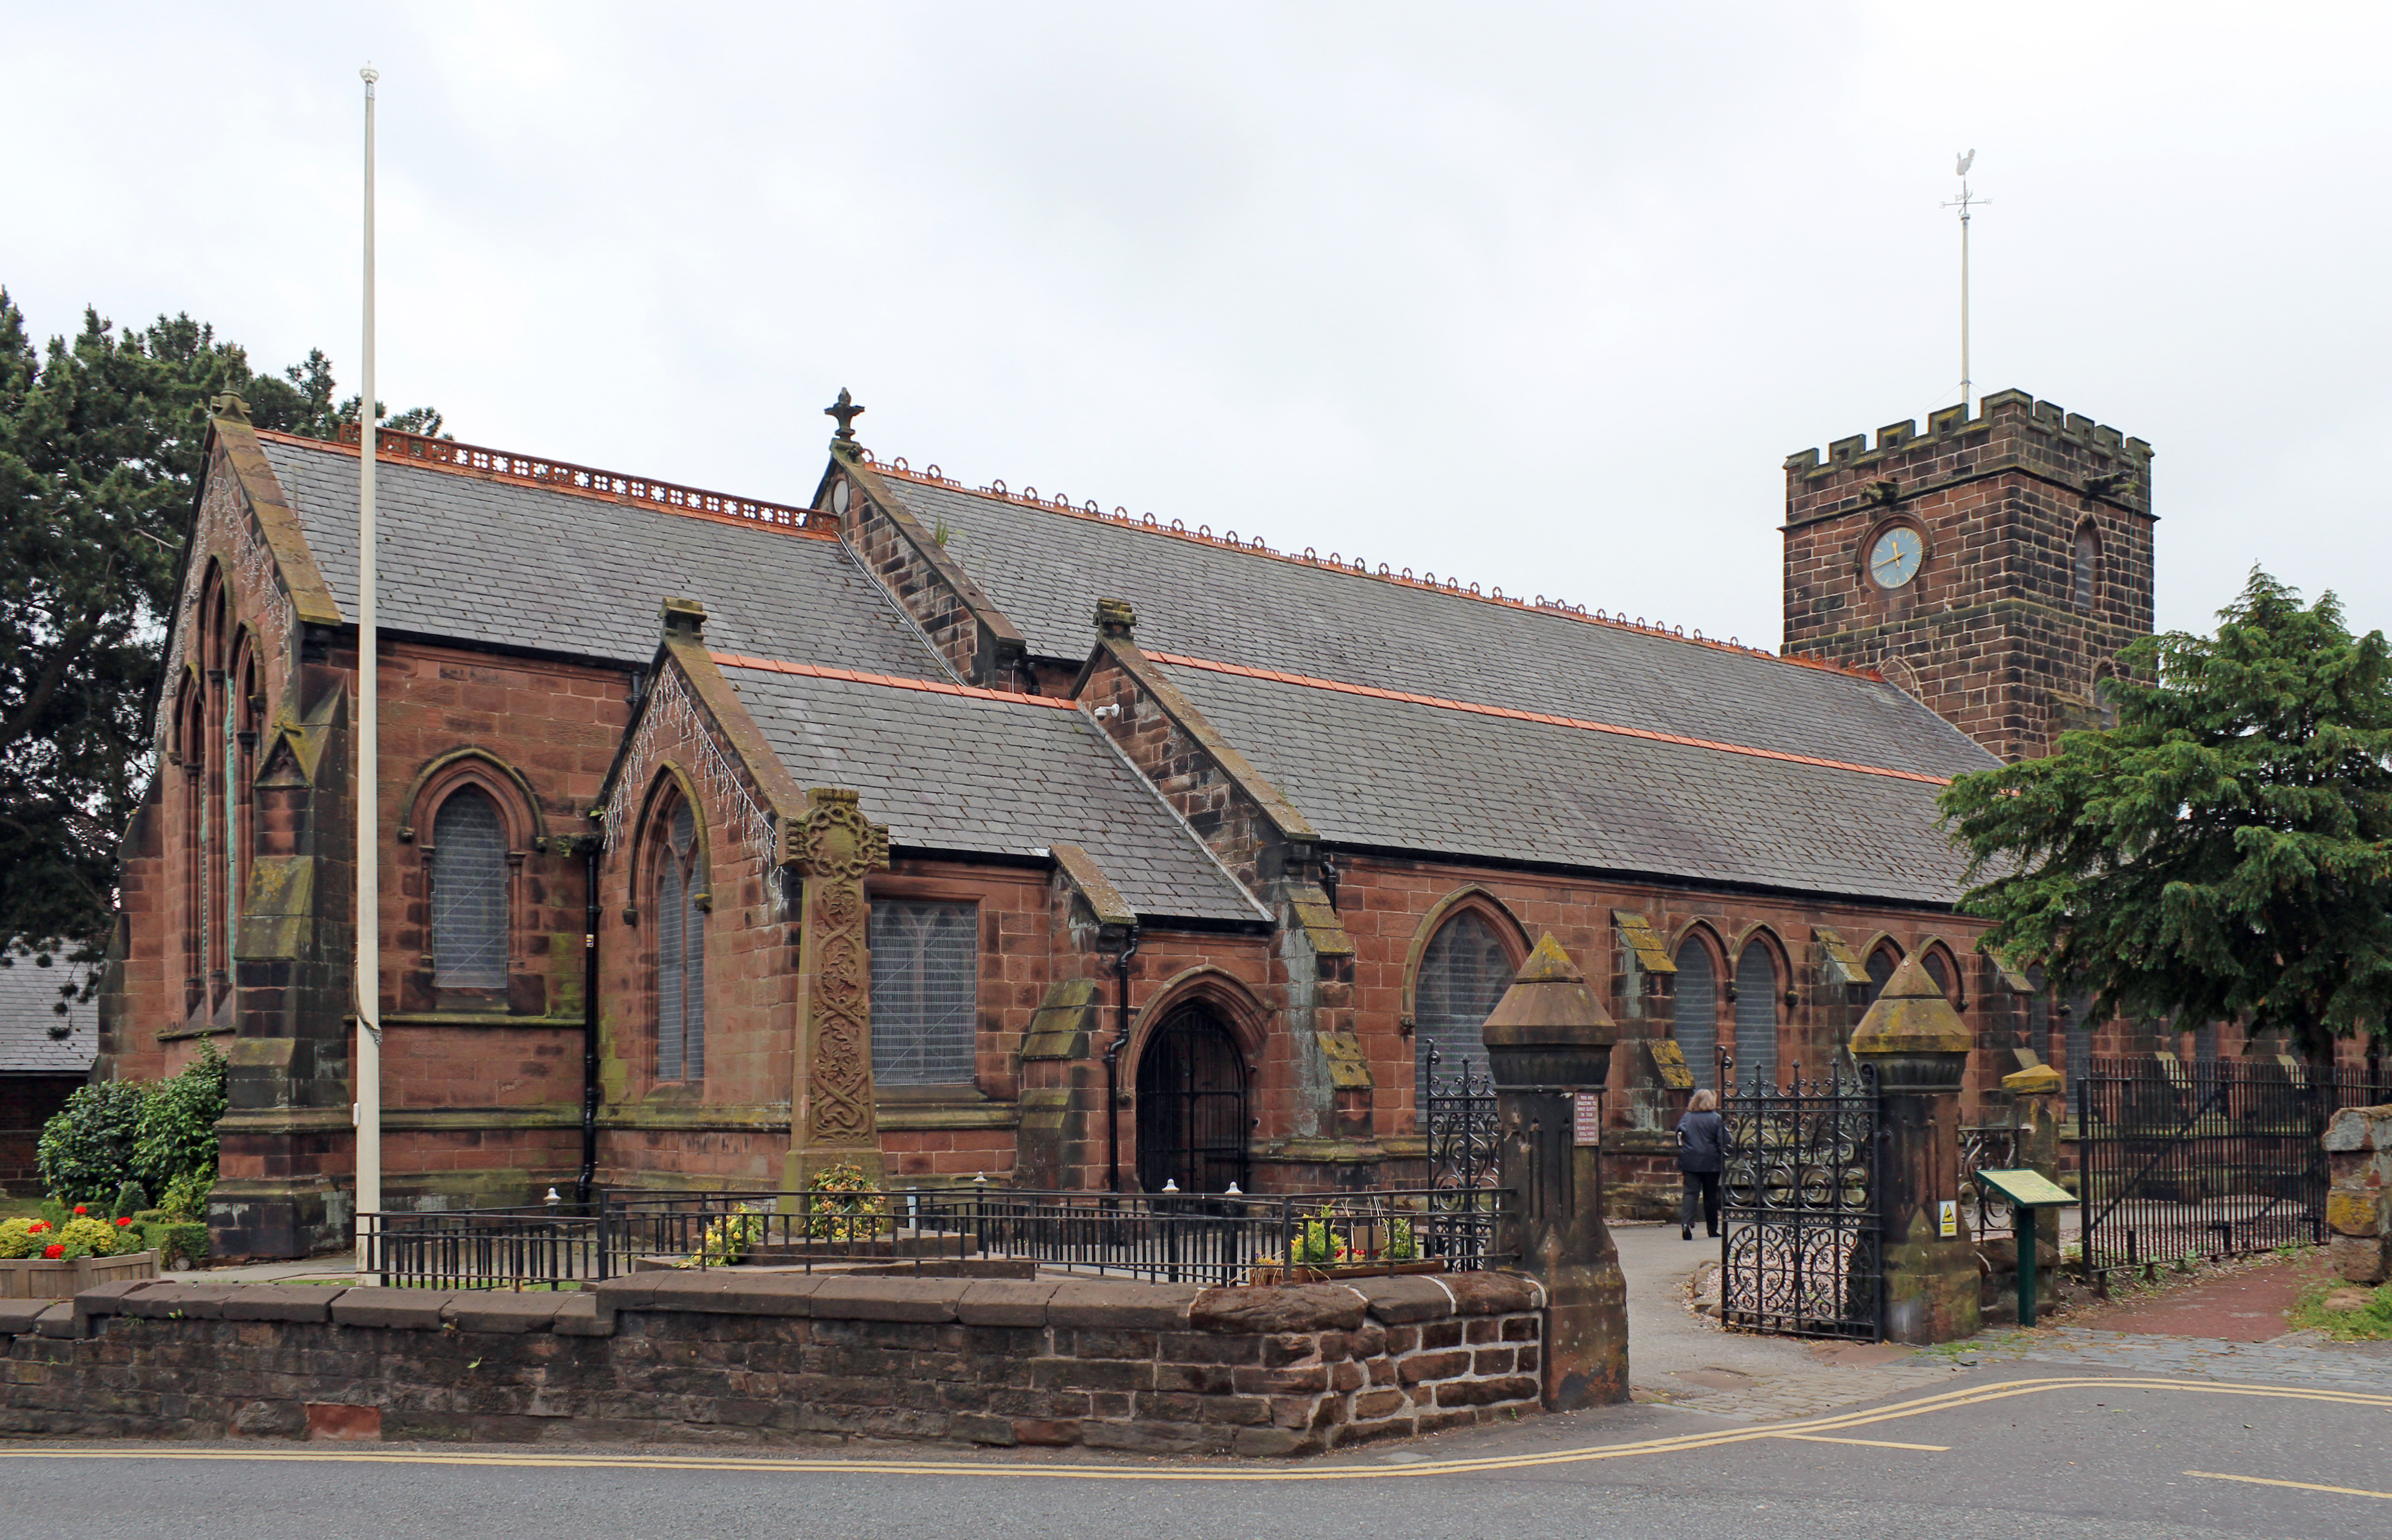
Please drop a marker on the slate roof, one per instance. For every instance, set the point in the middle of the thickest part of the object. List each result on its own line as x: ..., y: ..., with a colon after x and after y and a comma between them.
x: 510, y: 565
x: 27, y: 997
x: 1047, y: 569
x: 1003, y: 776
x: 1369, y: 771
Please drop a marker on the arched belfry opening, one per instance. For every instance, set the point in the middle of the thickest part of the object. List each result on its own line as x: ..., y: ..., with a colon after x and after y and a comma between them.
x: 1193, y: 1122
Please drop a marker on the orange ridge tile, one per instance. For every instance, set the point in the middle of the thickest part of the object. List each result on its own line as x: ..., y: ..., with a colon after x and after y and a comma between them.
x: 1513, y: 714
x: 893, y: 681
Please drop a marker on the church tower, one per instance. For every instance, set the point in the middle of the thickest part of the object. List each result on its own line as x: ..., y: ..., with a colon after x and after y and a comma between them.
x: 1993, y: 567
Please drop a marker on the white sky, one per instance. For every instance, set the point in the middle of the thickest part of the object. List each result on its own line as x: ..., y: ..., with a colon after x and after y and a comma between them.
x: 1538, y: 296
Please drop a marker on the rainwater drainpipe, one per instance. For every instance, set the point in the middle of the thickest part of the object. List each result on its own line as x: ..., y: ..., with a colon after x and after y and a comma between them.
x: 1113, y: 1061
x: 587, y: 1187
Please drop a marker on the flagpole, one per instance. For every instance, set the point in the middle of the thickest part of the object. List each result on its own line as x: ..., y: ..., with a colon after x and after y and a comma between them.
x: 369, y: 782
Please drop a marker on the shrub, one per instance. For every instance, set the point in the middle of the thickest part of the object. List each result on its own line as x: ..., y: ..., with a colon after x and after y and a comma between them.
x: 186, y: 1195
x: 90, y: 1236
x: 174, y: 1241
x: 87, y: 1150
x: 22, y: 1238
x: 177, y: 1134
x: 130, y: 1200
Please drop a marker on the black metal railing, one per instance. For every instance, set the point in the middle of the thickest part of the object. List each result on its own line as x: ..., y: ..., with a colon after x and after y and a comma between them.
x: 2213, y: 1159
x: 1207, y: 1239
x: 1989, y: 1147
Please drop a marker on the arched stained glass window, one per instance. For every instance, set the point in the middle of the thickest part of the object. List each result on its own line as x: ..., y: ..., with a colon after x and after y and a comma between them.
x: 680, y: 952
x: 469, y: 893
x: 1940, y: 971
x: 1463, y: 974
x: 1756, y: 1016
x: 1697, y: 1029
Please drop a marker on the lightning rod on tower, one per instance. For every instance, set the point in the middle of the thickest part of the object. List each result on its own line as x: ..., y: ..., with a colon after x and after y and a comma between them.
x: 1966, y: 201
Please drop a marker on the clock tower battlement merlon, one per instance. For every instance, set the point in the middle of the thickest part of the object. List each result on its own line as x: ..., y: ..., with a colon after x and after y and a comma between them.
x: 1993, y: 567
x: 2012, y: 430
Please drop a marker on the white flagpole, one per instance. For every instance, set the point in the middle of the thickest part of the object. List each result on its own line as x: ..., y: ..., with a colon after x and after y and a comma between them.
x: 369, y: 785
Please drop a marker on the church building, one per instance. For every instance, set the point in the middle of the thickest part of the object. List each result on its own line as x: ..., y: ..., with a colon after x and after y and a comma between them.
x: 961, y: 833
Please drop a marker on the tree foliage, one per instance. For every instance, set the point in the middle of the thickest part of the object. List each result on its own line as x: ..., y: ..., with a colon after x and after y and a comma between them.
x: 2225, y: 852
x: 100, y: 440
x: 157, y: 1134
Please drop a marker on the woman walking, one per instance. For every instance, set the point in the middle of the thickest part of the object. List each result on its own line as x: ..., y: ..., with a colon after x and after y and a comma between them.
x: 1702, y: 1154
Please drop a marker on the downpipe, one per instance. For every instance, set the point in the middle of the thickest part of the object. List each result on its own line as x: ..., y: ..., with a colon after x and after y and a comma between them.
x: 1113, y: 1061
x: 586, y: 1185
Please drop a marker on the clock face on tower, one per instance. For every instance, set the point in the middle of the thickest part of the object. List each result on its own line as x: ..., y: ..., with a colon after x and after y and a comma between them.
x: 1894, y: 561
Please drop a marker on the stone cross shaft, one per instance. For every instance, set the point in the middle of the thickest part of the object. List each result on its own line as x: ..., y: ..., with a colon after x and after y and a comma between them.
x: 833, y: 849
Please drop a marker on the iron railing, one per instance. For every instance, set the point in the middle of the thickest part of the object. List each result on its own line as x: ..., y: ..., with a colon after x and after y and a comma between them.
x: 2216, y: 1158
x: 1207, y: 1239
x: 1988, y: 1147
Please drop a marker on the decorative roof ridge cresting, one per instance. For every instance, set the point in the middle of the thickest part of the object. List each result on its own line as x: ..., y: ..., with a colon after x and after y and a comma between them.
x: 1441, y: 703
x: 1202, y: 534
x: 581, y: 481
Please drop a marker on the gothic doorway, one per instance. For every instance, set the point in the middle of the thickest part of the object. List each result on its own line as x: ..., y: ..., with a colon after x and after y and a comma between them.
x: 1192, y: 1105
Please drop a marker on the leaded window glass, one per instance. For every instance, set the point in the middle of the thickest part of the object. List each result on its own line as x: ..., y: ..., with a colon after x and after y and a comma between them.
x: 1464, y: 972
x: 925, y: 992
x: 2089, y: 566
x: 681, y: 952
x: 469, y: 893
x: 1697, y: 999
x: 2080, y: 1035
x: 1756, y: 1016
x: 1881, y: 964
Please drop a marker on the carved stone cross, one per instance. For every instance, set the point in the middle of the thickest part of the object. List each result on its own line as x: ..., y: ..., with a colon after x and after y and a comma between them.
x: 834, y: 848
x: 847, y: 411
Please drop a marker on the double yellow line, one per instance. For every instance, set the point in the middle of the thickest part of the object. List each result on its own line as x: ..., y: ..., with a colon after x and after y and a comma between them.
x: 1821, y: 1429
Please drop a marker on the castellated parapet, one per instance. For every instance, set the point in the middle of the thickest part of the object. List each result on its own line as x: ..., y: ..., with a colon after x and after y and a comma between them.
x: 2012, y: 430
x: 2030, y: 551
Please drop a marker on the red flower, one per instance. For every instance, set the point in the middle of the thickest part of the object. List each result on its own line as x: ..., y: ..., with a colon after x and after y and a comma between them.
x: 54, y: 1252
x: 37, y: 1226
x: 80, y: 1209
x: 123, y: 1223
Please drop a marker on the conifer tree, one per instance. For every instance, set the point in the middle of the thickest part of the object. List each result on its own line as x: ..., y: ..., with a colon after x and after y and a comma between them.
x: 2225, y: 851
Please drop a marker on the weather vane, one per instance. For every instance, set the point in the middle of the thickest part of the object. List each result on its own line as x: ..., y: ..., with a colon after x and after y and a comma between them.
x: 1966, y: 201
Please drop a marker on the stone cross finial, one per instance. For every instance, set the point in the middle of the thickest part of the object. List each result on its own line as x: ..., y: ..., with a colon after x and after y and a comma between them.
x: 685, y: 616
x: 231, y: 405
x: 847, y: 411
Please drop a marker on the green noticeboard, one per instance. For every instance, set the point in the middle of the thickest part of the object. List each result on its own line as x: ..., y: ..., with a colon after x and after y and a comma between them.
x: 2028, y: 1189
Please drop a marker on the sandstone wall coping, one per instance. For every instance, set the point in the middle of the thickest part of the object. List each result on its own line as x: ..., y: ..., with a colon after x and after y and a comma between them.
x: 1098, y: 1304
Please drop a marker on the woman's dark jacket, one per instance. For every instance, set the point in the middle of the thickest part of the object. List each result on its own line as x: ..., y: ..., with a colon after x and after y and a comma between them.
x: 1702, y: 1142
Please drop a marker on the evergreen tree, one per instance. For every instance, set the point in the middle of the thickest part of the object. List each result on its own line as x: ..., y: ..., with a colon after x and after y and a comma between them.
x: 100, y: 440
x: 2225, y: 852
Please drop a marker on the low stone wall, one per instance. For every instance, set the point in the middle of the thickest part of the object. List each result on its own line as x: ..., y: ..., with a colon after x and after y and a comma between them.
x: 746, y: 1356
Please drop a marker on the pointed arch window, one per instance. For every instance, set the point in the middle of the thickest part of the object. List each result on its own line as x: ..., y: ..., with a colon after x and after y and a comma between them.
x: 469, y: 893
x: 1881, y: 964
x: 680, y: 948
x: 1697, y: 997
x: 1756, y: 1015
x: 1464, y: 973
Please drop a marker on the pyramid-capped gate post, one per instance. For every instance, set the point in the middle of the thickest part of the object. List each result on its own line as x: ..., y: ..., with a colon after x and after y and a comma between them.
x: 1918, y: 1046
x: 1549, y: 1040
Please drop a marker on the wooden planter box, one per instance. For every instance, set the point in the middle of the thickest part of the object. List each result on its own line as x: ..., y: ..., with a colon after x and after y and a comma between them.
x: 42, y: 1278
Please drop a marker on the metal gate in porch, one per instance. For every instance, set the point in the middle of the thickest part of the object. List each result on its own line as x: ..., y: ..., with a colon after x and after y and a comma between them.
x: 1799, y: 1247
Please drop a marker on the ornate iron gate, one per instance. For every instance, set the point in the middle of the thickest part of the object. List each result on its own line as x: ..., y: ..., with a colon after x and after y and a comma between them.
x: 1191, y: 1107
x: 1799, y: 1246
x: 1457, y: 1117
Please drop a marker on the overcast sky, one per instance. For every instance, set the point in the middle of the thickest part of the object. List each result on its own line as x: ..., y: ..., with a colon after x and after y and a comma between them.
x: 1538, y: 296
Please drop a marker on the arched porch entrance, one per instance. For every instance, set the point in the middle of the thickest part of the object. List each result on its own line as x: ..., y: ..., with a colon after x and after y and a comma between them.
x: 1192, y: 1120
